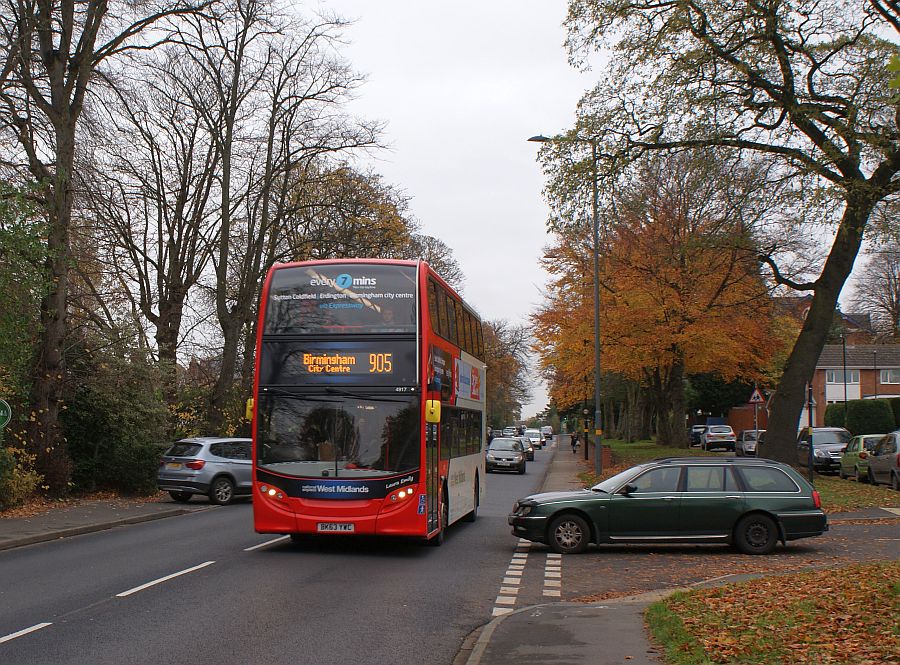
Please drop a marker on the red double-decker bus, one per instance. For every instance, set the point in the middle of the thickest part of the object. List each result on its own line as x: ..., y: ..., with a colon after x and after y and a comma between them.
x: 368, y: 405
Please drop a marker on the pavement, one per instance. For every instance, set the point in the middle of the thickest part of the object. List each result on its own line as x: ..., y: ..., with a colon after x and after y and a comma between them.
x: 605, y: 633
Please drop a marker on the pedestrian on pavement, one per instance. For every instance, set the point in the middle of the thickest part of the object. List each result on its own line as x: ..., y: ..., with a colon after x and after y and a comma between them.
x: 574, y: 442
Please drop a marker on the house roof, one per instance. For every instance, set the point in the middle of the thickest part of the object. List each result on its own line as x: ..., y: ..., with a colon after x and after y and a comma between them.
x: 860, y: 356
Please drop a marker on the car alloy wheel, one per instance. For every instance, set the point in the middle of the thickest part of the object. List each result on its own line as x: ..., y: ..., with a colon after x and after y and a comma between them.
x: 756, y: 534
x: 222, y: 491
x: 569, y: 534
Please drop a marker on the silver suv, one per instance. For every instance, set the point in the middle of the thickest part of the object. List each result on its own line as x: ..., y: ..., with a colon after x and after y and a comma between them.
x: 218, y: 467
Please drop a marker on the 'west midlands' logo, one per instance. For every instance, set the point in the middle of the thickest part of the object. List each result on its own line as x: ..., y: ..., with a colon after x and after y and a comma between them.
x: 344, y: 281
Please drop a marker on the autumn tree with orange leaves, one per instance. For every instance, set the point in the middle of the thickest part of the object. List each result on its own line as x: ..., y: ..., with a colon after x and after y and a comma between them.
x: 681, y: 290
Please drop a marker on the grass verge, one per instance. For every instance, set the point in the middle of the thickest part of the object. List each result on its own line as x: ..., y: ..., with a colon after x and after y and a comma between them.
x: 844, y: 615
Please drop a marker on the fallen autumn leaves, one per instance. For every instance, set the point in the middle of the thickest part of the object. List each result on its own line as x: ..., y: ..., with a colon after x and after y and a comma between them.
x: 840, y: 615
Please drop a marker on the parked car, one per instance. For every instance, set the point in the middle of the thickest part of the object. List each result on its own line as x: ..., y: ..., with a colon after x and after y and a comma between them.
x: 537, y: 439
x: 527, y: 445
x: 697, y: 434
x: 218, y: 467
x: 505, y: 454
x: 747, y: 442
x: 827, y: 443
x: 855, y: 457
x: 884, y: 462
x: 749, y: 503
x: 718, y: 436
x: 547, y: 431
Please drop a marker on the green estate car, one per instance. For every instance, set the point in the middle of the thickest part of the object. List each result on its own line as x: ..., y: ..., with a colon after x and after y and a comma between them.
x: 749, y: 503
x: 855, y: 457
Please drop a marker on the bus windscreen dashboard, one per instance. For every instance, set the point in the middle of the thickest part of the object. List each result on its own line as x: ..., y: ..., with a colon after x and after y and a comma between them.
x: 351, y: 298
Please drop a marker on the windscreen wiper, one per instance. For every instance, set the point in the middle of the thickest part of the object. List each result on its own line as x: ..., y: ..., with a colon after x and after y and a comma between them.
x: 289, y: 395
x: 346, y: 393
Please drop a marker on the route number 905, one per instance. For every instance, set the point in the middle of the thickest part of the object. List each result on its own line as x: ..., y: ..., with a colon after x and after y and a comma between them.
x: 381, y: 363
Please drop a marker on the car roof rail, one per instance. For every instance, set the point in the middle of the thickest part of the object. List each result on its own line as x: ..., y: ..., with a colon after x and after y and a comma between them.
x: 714, y: 460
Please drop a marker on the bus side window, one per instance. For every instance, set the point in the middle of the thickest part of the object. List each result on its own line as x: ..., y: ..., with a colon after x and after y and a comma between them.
x: 451, y: 317
x: 433, y: 306
x: 480, y: 332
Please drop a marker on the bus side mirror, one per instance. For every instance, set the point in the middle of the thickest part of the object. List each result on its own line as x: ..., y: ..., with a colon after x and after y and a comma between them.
x: 248, y: 411
x: 432, y: 411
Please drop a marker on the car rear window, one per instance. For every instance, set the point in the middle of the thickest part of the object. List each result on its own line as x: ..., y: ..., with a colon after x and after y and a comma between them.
x: 710, y: 479
x: 184, y: 450
x: 831, y: 437
x: 767, y: 479
x: 720, y: 429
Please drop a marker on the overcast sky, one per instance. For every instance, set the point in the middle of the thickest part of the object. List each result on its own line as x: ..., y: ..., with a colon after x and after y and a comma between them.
x: 461, y: 87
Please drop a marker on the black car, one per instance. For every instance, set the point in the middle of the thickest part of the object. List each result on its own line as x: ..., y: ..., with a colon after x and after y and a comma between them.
x: 827, y: 446
x: 696, y: 434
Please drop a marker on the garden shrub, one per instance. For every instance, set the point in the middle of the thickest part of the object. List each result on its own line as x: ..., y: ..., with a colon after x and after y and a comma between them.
x: 869, y: 416
x: 834, y: 415
x: 895, y: 407
x: 18, y: 480
x: 115, y: 423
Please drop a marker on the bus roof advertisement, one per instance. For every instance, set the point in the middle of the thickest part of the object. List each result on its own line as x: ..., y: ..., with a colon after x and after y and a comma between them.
x: 353, y: 298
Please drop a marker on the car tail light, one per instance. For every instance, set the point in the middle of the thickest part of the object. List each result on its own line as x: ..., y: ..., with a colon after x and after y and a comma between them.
x: 162, y: 462
x: 195, y: 464
x: 897, y: 461
x: 817, y: 500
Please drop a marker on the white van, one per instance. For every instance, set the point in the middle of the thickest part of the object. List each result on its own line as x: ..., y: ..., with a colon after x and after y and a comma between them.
x: 547, y: 431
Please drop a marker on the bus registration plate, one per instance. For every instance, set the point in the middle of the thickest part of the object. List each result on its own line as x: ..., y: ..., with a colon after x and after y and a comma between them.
x: 342, y: 527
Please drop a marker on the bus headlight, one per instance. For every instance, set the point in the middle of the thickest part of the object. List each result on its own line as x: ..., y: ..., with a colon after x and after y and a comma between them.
x: 271, y: 492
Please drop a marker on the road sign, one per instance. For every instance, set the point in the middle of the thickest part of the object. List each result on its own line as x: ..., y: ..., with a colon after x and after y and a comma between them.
x: 756, y: 397
x: 5, y: 413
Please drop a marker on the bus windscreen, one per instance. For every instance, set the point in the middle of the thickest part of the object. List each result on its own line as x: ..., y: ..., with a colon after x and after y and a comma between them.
x: 352, y: 298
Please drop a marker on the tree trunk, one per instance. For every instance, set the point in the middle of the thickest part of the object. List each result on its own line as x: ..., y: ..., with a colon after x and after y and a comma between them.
x: 669, y: 388
x: 790, y: 394
x: 43, y: 431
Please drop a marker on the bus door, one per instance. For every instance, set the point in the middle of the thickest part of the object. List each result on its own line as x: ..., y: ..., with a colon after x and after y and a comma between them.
x: 432, y: 474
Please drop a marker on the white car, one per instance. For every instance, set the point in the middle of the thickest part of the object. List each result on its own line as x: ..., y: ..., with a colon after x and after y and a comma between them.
x: 547, y: 431
x: 537, y: 439
x: 718, y: 436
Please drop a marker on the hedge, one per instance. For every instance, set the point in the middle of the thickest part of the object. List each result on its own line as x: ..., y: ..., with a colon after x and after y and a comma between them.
x: 870, y: 416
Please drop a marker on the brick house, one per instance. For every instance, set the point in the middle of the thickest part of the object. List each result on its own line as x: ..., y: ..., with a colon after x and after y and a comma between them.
x: 872, y: 371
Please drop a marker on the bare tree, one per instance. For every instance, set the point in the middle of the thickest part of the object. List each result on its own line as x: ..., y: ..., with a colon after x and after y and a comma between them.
x: 277, y: 87
x: 878, y: 289
x: 439, y: 256
x: 151, y: 191
x: 49, y: 55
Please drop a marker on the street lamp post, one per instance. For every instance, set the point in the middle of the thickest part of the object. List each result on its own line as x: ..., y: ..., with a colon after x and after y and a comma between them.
x: 598, y: 431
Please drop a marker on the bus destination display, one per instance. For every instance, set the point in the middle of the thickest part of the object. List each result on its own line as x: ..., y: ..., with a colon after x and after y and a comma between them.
x: 353, y: 363
x: 301, y: 362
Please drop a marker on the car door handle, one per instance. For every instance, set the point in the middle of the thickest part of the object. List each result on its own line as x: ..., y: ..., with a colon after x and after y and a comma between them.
x: 732, y: 497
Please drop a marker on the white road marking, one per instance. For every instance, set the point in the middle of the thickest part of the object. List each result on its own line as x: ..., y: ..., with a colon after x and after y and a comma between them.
x: 266, y: 544
x: 163, y: 579
x: 896, y: 511
x: 24, y: 631
x: 500, y: 611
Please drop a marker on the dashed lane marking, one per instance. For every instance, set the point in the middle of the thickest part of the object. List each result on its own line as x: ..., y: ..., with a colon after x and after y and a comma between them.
x: 24, y: 631
x: 266, y: 544
x: 163, y: 579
